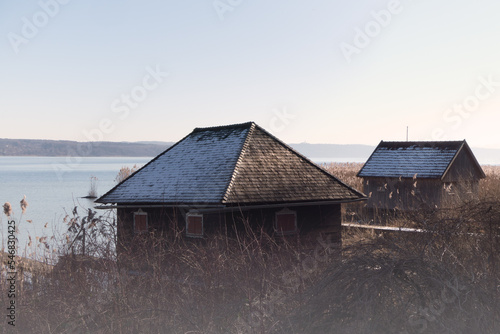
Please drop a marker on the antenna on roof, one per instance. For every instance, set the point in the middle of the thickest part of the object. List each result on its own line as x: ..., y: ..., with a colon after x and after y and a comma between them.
x: 407, y: 133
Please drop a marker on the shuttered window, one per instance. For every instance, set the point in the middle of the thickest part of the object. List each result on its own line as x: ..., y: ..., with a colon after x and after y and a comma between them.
x: 140, y: 222
x: 194, y: 225
x: 286, y: 222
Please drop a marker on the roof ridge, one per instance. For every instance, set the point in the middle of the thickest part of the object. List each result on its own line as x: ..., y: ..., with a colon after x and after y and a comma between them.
x: 229, y: 126
x: 423, y: 141
x: 240, y: 158
x: 456, y: 144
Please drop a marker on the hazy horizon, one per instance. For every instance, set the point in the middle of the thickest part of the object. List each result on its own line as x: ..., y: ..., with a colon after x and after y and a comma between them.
x: 314, y: 72
x: 160, y: 142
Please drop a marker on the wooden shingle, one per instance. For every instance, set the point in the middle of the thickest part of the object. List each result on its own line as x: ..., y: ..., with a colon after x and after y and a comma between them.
x: 230, y: 165
x: 426, y: 159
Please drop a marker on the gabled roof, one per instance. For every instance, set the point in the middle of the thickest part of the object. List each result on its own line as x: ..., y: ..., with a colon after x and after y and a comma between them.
x: 230, y: 165
x: 431, y: 159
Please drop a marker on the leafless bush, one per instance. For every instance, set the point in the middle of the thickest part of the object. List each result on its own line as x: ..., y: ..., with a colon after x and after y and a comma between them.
x: 219, y: 284
x: 442, y: 280
x: 125, y: 172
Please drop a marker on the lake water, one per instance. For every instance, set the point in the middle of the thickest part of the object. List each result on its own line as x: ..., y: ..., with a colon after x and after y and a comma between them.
x: 53, y: 186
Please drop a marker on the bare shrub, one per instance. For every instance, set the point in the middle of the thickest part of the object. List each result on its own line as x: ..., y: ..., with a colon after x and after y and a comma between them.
x: 219, y: 284
x: 125, y: 173
x: 442, y: 281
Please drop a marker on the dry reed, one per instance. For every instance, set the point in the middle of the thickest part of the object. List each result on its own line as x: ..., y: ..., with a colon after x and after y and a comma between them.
x: 445, y: 280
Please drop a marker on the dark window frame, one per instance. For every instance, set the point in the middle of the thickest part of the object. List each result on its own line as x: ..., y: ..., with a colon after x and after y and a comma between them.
x: 141, y: 213
x: 194, y: 215
x: 285, y: 212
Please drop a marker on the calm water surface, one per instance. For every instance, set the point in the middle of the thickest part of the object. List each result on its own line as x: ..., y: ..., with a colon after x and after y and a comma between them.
x: 53, y: 186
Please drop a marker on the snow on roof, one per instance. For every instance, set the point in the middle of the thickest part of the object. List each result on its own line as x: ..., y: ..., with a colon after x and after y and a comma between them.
x: 232, y: 164
x: 411, y: 159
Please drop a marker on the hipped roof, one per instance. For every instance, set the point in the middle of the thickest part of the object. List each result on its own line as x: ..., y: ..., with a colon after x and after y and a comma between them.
x: 240, y: 164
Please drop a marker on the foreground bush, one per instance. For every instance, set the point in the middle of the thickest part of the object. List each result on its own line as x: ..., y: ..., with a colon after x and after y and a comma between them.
x: 445, y: 279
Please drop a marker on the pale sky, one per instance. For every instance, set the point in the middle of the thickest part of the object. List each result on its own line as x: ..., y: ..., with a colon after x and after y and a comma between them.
x: 316, y: 71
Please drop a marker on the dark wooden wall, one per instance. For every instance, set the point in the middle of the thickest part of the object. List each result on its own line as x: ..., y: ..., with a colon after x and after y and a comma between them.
x: 463, y: 170
x: 171, y: 221
x: 404, y: 194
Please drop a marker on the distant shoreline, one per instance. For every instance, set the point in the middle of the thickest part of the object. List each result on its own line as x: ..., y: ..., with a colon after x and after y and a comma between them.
x: 65, y: 148
x: 318, y: 153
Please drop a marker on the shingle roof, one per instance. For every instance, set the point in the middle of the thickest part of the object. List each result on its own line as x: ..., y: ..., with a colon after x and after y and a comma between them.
x: 234, y: 164
x: 412, y: 159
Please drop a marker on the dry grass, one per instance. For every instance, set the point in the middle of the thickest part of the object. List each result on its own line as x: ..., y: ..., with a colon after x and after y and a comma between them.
x: 443, y: 281
x: 346, y: 172
x: 489, y: 187
x: 216, y: 285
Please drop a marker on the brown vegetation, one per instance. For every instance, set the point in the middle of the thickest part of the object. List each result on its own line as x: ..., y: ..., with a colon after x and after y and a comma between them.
x: 125, y: 173
x: 444, y: 280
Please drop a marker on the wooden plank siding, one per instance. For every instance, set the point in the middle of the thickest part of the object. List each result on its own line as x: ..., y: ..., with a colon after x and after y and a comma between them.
x: 170, y: 222
x: 390, y: 193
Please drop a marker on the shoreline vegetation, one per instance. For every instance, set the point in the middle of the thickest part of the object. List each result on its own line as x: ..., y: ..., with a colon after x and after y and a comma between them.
x: 446, y: 280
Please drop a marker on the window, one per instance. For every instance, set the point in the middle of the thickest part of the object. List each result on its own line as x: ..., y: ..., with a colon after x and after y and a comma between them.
x: 286, y: 222
x: 194, y: 225
x: 140, y: 222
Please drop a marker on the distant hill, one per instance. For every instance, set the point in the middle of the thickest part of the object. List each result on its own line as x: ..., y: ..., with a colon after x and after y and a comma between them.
x: 316, y: 152
x: 55, y: 148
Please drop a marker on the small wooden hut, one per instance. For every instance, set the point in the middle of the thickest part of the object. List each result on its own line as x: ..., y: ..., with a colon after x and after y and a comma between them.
x: 221, y: 178
x: 414, y: 175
